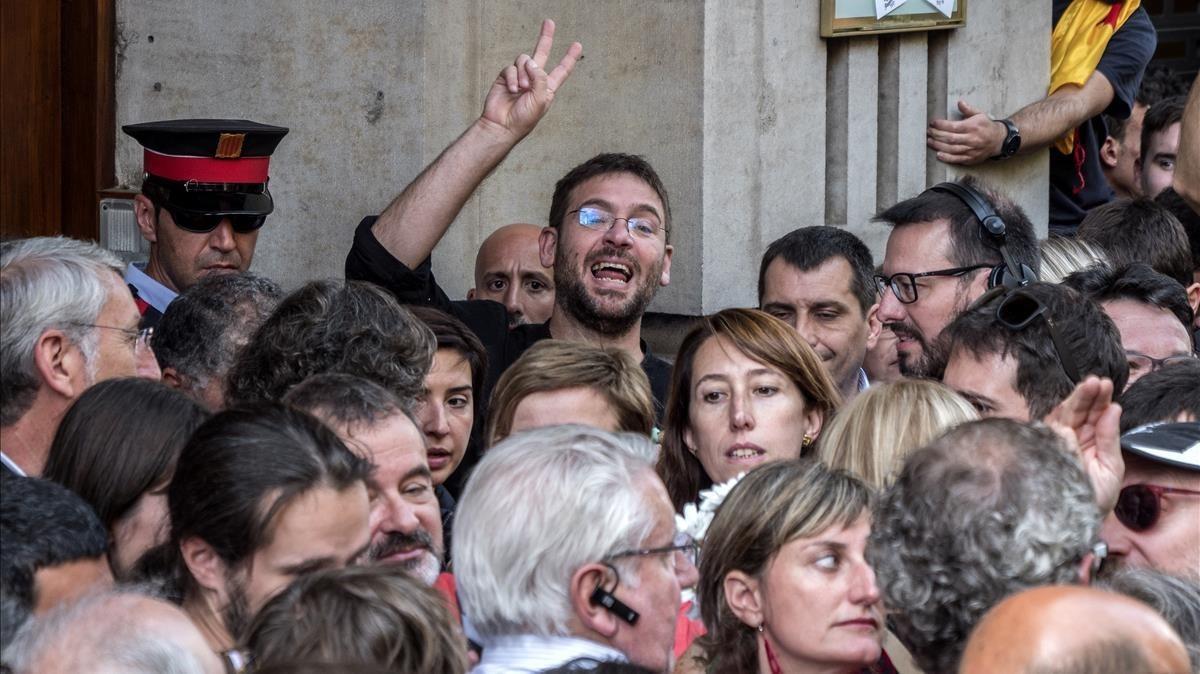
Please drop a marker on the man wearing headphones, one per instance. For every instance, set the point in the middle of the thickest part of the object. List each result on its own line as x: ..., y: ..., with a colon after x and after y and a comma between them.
x: 948, y: 245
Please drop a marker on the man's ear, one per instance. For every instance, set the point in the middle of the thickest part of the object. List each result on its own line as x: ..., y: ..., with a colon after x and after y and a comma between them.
x: 592, y: 617
x: 1085, y: 568
x: 1108, y: 152
x: 60, y: 364
x: 547, y: 246
x: 874, y: 326
x: 744, y: 596
x: 205, y: 565
x: 665, y: 278
x: 147, y: 220
x: 1193, y: 295
x: 172, y: 378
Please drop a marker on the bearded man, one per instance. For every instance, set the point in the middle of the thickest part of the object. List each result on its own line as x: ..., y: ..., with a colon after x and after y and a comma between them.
x: 608, y: 235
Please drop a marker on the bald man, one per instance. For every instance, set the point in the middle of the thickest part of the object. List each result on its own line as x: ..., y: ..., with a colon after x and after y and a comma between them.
x: 508, y: 270
x: 1039, y: 630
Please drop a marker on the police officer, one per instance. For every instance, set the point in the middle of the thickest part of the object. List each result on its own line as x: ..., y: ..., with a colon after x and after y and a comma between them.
x: 203, y: 199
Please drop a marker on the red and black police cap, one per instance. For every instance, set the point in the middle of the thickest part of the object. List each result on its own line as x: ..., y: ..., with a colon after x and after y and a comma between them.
x: 200, y: 168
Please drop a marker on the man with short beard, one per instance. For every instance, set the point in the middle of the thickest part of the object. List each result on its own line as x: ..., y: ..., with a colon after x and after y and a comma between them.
x: 939, y: 259
x: 607, y: 237
x: 406, y: 525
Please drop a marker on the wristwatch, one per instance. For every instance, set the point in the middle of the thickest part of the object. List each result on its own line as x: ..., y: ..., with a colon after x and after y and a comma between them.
x: 1012, y: 140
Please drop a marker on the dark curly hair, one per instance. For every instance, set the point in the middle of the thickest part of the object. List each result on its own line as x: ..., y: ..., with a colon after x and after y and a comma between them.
x: 225, y: 309
x: 991, y: 508
x: 351, y: 327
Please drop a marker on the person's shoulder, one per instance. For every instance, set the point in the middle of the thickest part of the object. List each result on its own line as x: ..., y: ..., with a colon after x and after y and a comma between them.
x: 524, y: 336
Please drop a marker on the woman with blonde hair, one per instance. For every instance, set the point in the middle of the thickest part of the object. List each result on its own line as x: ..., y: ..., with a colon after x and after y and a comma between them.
x: 562, y: 382
x: 784, y: 584
x: 1063, y: 255
x: 871, y: 436
x: 746, y: 390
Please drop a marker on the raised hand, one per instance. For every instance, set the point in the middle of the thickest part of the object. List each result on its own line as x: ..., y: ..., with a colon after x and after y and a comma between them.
x: 1089, y: 421
x: 522, y: 92
x: 971, y: 140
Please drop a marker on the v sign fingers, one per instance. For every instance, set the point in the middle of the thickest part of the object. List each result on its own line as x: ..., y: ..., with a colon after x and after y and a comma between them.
x: 564, y: 68
x: 523, y: 92
x: 541, y: 51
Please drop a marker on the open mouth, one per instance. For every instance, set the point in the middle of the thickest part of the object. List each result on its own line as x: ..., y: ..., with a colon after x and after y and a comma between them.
x: 437, y: 458
x: 904, y: 335
x: 745, y: 453
x: 612, y: 271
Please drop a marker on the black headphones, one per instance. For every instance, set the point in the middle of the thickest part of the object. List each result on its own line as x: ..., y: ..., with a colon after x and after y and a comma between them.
x: 1008, y: 273
x: 605, y: 598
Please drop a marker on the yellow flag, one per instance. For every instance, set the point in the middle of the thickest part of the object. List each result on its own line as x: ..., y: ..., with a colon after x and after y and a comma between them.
x: 1078, y: 42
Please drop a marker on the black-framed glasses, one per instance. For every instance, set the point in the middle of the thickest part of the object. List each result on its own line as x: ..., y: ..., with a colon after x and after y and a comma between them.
x: 1139, y: 505
x: 1143, y: 364
x: 601, y: 221
x: 1018, y: 309
x: 904, y: 284
x: 682, y: 543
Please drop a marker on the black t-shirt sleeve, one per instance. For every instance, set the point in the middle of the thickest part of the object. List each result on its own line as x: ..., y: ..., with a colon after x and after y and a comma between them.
x: 1125, y: 60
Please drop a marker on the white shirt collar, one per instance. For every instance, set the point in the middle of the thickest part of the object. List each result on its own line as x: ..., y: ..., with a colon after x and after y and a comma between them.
x: 11, y: 465
x: 150, y: 291
x: 534, y: 653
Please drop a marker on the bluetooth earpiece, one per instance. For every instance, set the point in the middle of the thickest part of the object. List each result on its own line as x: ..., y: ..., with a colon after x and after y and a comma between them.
x: 605, y: 598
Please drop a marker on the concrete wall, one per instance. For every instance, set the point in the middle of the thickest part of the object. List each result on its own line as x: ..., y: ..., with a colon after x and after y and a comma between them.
x: 756, y: 124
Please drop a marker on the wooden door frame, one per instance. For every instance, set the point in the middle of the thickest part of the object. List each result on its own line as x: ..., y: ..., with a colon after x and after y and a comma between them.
x: 57, y: 62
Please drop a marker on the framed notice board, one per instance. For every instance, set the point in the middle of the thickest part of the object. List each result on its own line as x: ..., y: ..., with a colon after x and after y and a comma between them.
x: 847, y: 18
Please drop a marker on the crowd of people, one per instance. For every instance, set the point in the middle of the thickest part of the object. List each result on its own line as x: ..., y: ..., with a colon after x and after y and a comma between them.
x: 981, y: 455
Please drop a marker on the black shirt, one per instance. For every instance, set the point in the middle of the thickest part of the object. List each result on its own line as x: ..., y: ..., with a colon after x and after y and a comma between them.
x: 1074, y: 192
x: 368, y: 260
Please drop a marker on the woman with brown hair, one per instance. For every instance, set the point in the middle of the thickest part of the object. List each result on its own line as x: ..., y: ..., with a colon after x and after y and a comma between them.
x: 784, y: 584
x: 746, y: 390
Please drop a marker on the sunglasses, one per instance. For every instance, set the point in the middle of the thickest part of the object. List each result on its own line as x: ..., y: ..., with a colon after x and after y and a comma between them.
x: 1018, y: 309
x: 203, y: 223
x: 1139, y: 505
x: 200, y: 207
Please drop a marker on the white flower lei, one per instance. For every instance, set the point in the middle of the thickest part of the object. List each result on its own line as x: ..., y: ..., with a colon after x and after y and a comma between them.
x: 694, y: 521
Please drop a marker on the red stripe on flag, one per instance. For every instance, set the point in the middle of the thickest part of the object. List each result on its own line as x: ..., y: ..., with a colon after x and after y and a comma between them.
x: 1114, y: 14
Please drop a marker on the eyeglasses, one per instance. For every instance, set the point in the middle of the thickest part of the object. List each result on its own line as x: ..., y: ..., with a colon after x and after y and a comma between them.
x: 1018, y: 309
x: 602, y: 221
x: 682, y: 543
x: 1139, y: 505
x: 904, y: 284
x: 1140, y: 362
x: 139, y: 338
x: 203, y: 223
